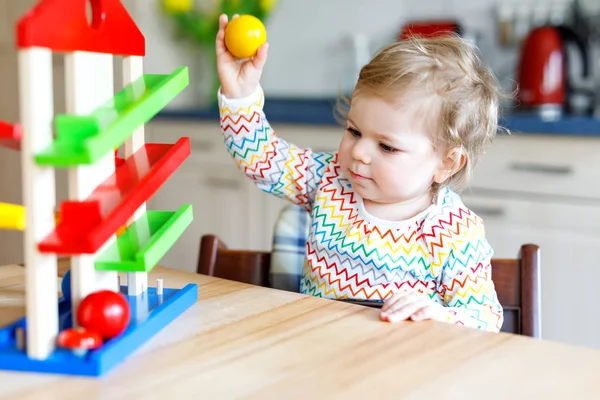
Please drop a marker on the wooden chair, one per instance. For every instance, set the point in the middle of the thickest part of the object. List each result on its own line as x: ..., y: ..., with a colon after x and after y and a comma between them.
x: 517, y: 280
x: 215, y: 259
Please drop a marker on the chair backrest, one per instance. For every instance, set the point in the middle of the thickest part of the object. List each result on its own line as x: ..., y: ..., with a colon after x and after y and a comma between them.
x: 518, y: 286
x: 517, y: 280
x: 215, y: 259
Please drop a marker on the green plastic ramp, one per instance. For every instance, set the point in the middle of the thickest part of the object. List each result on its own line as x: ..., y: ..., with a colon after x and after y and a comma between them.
x: 86, y: 139
x: 145, y: 241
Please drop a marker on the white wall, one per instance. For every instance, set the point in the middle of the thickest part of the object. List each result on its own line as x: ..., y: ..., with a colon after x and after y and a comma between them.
x: 310, y: 50
x: 311, y: 54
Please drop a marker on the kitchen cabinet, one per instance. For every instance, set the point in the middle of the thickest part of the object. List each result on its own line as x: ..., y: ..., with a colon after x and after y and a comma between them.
x: 569, y: 238
x: 528, y: 189
x: 543, y: 190
x: 549, y: 167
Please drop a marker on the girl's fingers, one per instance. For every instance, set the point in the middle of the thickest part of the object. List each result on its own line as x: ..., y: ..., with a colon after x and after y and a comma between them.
x: 220, y: 40
x: 398, y: 301
x: 424, y: 313
x: 260, y: 58
x: 393, y: 300
x: 404, y: 312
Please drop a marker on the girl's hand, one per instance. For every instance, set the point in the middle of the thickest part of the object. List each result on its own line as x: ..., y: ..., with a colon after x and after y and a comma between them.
x: 410, y: 305
x: 239, y: 78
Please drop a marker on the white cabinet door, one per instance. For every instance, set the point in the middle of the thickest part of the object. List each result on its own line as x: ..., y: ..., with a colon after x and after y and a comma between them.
x: 569, y: 259
x: 570, y: 275
x: 265, y: 211
x: 220, y: 198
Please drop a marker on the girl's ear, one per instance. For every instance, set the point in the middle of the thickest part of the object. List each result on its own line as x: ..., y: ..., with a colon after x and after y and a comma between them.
x: 455, y: 159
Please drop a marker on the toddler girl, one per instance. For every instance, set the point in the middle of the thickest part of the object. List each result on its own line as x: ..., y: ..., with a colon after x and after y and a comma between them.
x: 387, y: 223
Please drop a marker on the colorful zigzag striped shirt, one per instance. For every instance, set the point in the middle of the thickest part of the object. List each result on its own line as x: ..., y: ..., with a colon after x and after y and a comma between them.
x: 442, y: 252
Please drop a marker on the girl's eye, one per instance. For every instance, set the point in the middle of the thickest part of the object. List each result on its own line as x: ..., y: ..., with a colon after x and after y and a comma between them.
x: 354, y: 132
x: 386, y: 148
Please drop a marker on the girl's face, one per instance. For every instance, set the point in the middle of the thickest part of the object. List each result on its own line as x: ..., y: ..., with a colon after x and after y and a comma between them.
x: 386, y: 153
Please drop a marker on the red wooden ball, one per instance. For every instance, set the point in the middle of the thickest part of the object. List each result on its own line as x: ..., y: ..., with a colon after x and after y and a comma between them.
x: 105, y: 312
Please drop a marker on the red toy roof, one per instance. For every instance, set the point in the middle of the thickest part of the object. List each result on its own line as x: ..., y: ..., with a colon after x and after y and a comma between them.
x: 62, y: 25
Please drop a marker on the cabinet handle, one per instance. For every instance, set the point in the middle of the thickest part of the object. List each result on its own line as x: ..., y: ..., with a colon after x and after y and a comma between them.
x: 544, y: 169
x: 223, y: 183
x: 488, y: 211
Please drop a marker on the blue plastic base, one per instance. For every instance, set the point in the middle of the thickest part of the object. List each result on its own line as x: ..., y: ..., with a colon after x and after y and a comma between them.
x: 150, y: 313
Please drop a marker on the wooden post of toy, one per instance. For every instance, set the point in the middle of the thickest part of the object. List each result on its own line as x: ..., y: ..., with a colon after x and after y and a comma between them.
x: 133, y: 68
x: 104, y: 78
x: 89, y: 83
x: 36, y: 102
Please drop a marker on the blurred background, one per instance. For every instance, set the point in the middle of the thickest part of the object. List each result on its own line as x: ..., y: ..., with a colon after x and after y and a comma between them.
x: 540, y: 184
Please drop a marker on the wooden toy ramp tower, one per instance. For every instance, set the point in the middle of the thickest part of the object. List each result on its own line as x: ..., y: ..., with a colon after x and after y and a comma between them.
x: 104, y: 226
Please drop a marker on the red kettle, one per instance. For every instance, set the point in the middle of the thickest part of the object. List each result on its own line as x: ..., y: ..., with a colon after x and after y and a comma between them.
x: 543, y: 76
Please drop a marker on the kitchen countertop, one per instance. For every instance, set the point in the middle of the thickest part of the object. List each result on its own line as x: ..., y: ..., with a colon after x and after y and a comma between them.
x: 320, y: 112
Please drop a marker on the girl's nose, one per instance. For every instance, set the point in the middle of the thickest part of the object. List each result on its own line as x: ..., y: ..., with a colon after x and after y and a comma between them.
x: 360, y: 152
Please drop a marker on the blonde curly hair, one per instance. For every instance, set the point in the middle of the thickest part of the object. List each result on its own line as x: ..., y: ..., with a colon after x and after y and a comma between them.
x: 447, y: 71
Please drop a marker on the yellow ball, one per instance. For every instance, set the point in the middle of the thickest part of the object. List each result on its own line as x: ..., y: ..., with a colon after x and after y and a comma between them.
x: 244, y: 35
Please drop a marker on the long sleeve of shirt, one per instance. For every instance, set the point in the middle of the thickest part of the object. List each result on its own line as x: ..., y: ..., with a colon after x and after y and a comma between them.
x: 276, y: 166
x: 470, y: 296
x: 460, y: 248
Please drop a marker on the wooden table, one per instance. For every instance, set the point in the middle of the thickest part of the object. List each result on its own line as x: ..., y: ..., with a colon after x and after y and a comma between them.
x: 244, y: 341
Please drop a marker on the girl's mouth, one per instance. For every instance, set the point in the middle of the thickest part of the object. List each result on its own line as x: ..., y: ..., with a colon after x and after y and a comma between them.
x: 359, y: 177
